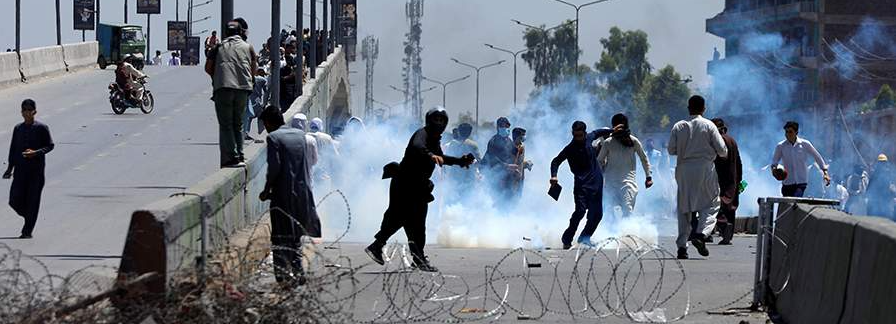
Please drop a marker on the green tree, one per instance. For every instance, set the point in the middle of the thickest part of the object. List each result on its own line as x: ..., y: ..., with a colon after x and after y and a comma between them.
x: 663, y: 99
x: 623, y: 65
x: 885, y: 98
x: 551, y: 54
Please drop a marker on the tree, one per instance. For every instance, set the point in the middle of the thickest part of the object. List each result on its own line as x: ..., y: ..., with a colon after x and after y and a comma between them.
x: 885, y: 98
x: 664, y: 98
x: 623, y: 66
x: 551, y: 55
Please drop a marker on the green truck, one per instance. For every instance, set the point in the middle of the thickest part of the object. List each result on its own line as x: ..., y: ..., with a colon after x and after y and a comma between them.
x: 118, y: 40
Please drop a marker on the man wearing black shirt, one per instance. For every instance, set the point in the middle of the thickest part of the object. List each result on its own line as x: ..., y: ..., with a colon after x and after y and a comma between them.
x: 31, y: 141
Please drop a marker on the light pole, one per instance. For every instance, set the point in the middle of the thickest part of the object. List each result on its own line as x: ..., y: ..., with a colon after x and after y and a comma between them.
x: 544, y: 32
x: 226, y: 13
x: 275, y: 54
x: 578, y: 8
x: 125, y: 11
x: 514, y: 54
x: 477, y: 69
x: 445, y: 85
x: 313, y: 55
x: 19, y: 26
x: 58, y: 26
x: 405, y: 92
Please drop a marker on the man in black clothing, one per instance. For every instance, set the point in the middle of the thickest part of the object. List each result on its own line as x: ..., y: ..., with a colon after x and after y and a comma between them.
x: 411, y: 190
x: 589, y: 181
x: 31, y: 142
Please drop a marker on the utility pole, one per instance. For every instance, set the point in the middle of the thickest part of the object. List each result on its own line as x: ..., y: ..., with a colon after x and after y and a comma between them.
x: 125, y: 11
x: 148, y: 37
x: 275, y: 54
x: 514, y: 54
x: 477, y: 69
x: 58, y: 26
x: 370, y: 49
x: 227, y: 14
x: 445, y: 86
x: 19, y: 27
x: 324, y: 29
x: 579, y: 8
x: 96, y: 28
x: 313, y: 55
x: 300, y: 60
x: 176, y: 10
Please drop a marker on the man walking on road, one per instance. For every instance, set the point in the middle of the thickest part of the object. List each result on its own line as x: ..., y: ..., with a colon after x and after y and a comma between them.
x: 793, y: 153
x: 730, y: 170
x: 232, y: 65
x: 293, y: 214
x: 697, y: 143
x: 31, y: 141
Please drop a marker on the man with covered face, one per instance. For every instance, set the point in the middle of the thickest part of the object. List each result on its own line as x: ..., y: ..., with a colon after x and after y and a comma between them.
x: 411, y: 189
x: 498, y: 158
x: 589, y: 181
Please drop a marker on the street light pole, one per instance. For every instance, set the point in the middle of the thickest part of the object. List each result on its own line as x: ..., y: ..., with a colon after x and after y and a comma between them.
x: 578, y: 8
x: 275, y: 54
x: 19, y: 26
x: 514, y: 54
x: 125, y: 11
x: 477, y: 69
x: 313, y: 55
x: 544, y: 32
x: 227, y: 14
x: 58, y: 26
x: 445, y: 85
x: 300, y: 39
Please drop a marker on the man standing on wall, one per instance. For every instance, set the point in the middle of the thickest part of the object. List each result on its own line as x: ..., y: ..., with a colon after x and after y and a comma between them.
x: 696, y: 143
x: 792, y: 153
x: 232, y: 66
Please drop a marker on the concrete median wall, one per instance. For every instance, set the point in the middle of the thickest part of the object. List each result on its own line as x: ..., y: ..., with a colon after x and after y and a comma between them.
x: 81, y: 55
x: 164, y: 236
x: 42, y: 61
x: 9, y: 69
x: 831, y: 267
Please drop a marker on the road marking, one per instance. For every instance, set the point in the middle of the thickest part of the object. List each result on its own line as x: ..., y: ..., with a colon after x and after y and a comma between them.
x: 137, y: 134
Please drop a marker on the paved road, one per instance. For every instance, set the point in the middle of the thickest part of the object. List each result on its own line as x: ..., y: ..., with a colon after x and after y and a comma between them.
x: 105, y: 165
x: 710, y: 285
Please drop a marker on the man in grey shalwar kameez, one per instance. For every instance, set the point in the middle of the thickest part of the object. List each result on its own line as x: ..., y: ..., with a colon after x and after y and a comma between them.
x: 617, y: 157
x: 292, y: 204
x: 696, y: 142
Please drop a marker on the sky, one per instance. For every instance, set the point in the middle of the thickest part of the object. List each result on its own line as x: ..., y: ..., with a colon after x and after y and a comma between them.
x: 451, y: 28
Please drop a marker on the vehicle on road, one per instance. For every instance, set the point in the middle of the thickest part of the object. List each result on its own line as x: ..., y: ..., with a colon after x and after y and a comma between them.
x: 121, y: 101
x: 118, y: 40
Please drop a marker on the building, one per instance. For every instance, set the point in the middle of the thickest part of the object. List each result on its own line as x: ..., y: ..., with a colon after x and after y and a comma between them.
x: 811, y: 60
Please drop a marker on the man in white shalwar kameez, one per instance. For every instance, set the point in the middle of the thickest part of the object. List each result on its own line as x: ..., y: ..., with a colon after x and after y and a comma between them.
x: 617, y: 157
x: 696, y: 143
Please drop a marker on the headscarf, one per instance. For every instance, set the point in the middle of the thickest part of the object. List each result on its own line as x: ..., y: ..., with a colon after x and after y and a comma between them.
x: 624, y: 135
x: 317, y: 125
x: 299, y: 121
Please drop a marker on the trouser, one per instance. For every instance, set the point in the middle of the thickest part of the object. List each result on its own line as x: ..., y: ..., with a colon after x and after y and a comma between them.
x: 287, y: 250
x: 696, y: 224
x: 726, y: 228
x: 794, y: 190
x: 624, y: 198
x: 587, y: 201
x: 407, y: 213
x: 24, y: 196
x: 230, y: 107
x: 247, y: 119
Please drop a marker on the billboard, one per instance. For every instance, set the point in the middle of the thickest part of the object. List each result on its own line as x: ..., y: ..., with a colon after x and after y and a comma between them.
x: 85, y: 15
x: 348, y: 26
x: 149, y: 6
x: 191, y: 54
x: 177, y: 35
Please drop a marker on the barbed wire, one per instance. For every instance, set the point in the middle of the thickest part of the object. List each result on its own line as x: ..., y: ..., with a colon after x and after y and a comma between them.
x: 625, y: 278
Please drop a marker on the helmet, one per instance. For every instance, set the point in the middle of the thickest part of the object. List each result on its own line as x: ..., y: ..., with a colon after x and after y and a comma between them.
x: 779, y: 172
x: 127, y: 58
x: 437, y: 120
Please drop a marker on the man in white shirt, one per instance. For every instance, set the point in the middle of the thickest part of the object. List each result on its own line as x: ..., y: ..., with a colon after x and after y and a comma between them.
x: 792, y: 153
x: 696, y: 142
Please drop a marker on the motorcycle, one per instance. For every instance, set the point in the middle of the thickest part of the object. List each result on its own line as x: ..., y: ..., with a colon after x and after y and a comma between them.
x: 121, y: 101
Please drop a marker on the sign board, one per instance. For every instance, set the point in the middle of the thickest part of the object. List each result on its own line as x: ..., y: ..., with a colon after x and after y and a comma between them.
x: 149, y: 6
x: 177, y: 35
x: 85, y: 15
x: 191, y: 54
x: 348, y: 26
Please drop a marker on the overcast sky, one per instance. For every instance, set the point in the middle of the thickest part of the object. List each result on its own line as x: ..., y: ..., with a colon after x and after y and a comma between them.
x: 451, y: 28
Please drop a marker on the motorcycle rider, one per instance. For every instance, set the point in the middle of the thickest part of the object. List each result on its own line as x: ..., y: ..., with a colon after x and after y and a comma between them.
x: 126, y: 77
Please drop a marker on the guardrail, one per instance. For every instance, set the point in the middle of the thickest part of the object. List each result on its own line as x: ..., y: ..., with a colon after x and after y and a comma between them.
x: 47, y: 61
x: 821, y: 265
x: 167, y: 235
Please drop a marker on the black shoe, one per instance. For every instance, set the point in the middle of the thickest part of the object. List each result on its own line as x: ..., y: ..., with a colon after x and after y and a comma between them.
x: 699, y: 242
x: 25, y: 236
x: 234, y: 164
x: 567, y: 246
x: 725, y: 242
x: 682, y: 253
x: 708, y: 239
x: 375, y: 252
x: 424, y: 265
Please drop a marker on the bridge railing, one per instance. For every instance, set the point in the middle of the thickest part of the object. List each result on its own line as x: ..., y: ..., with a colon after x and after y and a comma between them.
x: 40, y: 62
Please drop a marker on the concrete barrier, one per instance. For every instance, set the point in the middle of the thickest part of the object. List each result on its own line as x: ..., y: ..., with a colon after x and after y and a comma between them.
x: 80, y: 55
x: 831, y: 267
x: 164, y: 236
x: 43, y: 61
x: 9, y: 69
